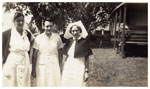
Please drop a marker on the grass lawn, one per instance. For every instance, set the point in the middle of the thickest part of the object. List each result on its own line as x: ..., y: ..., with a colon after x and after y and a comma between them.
x: 108, y: 69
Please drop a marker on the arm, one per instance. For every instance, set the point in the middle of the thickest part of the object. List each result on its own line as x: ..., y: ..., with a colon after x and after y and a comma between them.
x: 86, y: 63
x: 60, y: 54
x: 5, y: 44
x: 64, y: 59
x: 60, y: 58
x: 86, y: 69
x: 3, y: 48
x: 34, y: 60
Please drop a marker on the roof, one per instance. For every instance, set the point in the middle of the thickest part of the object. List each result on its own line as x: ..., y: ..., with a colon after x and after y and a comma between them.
x: 131, y: 4
x: 117, y: 7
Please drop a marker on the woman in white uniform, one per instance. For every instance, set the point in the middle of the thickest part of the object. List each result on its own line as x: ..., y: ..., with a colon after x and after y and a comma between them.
x: 77, y: 51
x: 46, y: 57
x: 16, y: 46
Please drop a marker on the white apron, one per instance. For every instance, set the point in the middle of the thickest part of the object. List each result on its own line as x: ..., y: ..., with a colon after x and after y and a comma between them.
x: 73, y: 72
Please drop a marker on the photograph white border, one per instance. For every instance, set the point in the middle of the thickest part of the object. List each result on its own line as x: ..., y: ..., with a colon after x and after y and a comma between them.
x: 140, y: 1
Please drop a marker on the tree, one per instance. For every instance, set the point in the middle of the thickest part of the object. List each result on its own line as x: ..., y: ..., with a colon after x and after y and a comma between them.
x: 91, y: 14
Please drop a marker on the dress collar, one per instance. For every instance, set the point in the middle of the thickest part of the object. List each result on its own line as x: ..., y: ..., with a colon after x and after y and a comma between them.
x: 77, y: 38
x: 24, y: 33
x: 47, y: 36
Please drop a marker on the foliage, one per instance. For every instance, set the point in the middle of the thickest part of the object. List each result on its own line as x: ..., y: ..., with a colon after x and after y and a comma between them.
x: 91, y: 14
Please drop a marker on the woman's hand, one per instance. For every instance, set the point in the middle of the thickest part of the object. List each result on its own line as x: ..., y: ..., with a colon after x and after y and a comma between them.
x: 86, y: 76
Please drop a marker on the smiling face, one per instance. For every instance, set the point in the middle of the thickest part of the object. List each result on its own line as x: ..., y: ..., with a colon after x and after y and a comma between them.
x: 75, y: 31
x: 19, y: 22
x: 48, y: 26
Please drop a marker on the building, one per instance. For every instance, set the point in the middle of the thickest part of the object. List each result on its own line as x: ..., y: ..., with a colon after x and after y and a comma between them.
x: 129, y: 28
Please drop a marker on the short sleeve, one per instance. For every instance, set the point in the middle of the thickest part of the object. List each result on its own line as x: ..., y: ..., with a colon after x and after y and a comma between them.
x: 59, y: 43
x: 35, y: 44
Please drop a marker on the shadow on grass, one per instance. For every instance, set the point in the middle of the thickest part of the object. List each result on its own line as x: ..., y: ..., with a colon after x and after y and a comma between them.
x: 94, y: 45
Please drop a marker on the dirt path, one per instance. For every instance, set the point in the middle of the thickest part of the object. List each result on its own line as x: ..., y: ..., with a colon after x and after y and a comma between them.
x: 108, y: 69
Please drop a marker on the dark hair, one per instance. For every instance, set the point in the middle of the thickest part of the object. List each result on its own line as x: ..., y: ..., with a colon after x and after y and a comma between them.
x: 79, y: 28
x: 18, y: 14
x: 49, y: 20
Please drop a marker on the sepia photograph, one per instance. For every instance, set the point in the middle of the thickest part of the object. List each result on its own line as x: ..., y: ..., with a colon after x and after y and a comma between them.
x: 74, y: 44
